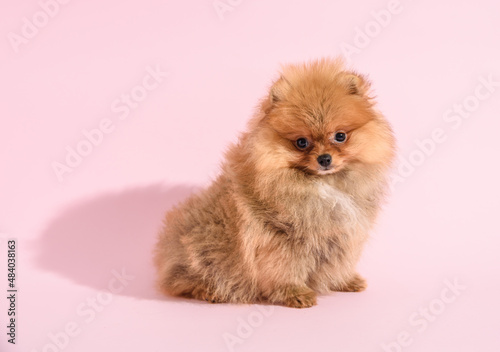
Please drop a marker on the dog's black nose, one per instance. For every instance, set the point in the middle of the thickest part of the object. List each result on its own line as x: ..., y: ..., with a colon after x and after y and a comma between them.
x: 325, y: 160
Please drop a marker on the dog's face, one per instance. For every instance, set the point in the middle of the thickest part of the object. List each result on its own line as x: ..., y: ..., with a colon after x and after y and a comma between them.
x: 323, y: 121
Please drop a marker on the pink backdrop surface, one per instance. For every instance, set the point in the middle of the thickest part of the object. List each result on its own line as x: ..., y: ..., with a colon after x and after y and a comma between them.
x: 113, y: 111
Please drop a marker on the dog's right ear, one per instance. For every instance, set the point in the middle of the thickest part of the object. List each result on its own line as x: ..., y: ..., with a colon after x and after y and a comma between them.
x: 355, y: 83
x: 279, y: 90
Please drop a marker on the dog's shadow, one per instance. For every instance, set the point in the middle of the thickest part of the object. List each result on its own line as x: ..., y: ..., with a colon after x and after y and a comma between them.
x: 114, y: 232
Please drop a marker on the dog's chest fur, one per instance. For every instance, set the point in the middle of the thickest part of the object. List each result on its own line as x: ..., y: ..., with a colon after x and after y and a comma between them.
x: 327, y: 209
x: 323, y: 215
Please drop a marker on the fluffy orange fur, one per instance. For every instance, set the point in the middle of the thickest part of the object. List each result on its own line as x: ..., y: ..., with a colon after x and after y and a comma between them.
x: 276, y: 226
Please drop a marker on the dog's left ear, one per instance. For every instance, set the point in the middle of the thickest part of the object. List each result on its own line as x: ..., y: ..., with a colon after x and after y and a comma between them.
x: 355, y: 83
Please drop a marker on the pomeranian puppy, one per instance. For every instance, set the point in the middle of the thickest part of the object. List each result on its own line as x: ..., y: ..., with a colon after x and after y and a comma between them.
x: 289, y: 214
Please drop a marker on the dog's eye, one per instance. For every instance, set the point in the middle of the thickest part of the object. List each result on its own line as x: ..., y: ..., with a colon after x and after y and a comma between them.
x: 302, y: 143
x: 340, y: 137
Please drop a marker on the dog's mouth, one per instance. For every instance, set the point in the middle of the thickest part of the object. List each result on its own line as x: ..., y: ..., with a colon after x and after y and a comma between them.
x: 321, y: 170
x: 326, y: 170
x: 330, y: 169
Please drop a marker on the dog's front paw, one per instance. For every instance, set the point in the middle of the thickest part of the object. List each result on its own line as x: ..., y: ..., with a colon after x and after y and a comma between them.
x: 203, y: 294
x: 300, y: 298
x: 356, y: 284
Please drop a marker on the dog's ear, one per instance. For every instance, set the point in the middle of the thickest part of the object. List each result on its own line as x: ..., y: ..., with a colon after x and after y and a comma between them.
x: 355, y: 83
x: 279, y: 90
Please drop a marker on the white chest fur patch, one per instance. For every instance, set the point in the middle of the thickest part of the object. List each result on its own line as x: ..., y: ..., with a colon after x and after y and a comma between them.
x: 340, y: 202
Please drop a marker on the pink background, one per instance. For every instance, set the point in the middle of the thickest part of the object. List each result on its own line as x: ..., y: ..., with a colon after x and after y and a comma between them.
x: 440, y: 224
